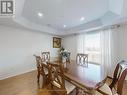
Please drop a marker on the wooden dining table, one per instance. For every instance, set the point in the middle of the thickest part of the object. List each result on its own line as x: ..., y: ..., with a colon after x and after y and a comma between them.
x: 88, y: 78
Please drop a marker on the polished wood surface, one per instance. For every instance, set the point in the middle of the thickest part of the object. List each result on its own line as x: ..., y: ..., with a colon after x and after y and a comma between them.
x: 26, y: 84
x: 90, y: 77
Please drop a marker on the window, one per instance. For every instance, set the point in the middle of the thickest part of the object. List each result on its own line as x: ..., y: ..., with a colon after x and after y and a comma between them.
x: 89, y: 43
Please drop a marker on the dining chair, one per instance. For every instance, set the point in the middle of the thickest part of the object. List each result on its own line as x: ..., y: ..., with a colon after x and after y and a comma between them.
x: 82, y: 59
x: 116, y: 75
x: 42, y: 70
x: 46, y: 56
x: 58, y: 82
x: 118, y: 81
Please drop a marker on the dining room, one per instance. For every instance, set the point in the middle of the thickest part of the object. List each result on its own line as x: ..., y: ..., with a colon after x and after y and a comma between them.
x: 63, y: 47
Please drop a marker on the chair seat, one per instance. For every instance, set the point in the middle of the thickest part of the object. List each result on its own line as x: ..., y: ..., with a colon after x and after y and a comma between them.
x: 114, y: 91
x: 69, y: 87
x: 105, y: 88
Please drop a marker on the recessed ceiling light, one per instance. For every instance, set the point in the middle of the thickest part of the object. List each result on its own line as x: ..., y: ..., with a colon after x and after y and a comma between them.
x: 40, y: 14
x: 82, y: 18
x: 65, y: 26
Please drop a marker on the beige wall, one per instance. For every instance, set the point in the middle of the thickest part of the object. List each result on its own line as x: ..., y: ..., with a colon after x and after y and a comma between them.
x: 70, y: 43
x: 122, y: 32
x: 123, y: 42
x: 17, y: 48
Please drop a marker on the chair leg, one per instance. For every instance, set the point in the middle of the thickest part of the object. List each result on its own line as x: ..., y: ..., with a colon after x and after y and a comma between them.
x: 51, y: 86
x: 77, y: 90
x: 44, y: 82
x: 47, y: 80
x: 38, y: 77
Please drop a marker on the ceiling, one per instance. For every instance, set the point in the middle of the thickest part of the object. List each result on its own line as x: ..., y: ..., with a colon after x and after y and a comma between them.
x: 62, y: 17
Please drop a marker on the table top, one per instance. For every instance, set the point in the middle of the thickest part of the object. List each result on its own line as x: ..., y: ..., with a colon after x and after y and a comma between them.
x: 91, y: 77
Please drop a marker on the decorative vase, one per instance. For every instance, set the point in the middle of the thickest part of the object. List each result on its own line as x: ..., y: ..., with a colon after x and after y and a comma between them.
x: 64, y: 62
x: 63, y: 59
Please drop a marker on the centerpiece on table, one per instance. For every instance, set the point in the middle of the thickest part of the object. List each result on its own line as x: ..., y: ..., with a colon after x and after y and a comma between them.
x: 64, y: 55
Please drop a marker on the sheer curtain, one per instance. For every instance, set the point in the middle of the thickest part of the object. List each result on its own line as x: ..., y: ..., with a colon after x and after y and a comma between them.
x: 89, y: 43
x: 81, y: 43
x: 107, y: 52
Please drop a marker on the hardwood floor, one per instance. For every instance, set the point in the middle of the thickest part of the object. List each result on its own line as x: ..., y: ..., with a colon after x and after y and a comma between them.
x: 26, y: 84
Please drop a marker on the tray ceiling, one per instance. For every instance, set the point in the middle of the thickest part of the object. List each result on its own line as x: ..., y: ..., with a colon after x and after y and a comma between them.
x: 63, y: 17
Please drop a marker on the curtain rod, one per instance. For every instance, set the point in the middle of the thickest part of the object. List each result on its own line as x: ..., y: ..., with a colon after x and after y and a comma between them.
x: 111, y: 27
x: 101, y: 28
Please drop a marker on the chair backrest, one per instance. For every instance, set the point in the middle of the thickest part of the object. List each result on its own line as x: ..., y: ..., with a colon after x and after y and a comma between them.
x: 121, y: 82
x: 38, y: 61
x: 82, y: 59
x: 57, y: 77
x: 42, y: 67
x: 117, y: 74
x: 46, y: 57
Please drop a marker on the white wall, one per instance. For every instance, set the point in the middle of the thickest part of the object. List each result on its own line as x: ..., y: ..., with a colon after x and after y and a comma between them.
x: 123, y: 42
x: 120, y: 45
x: 70, y: 43
x: 17, y: 48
